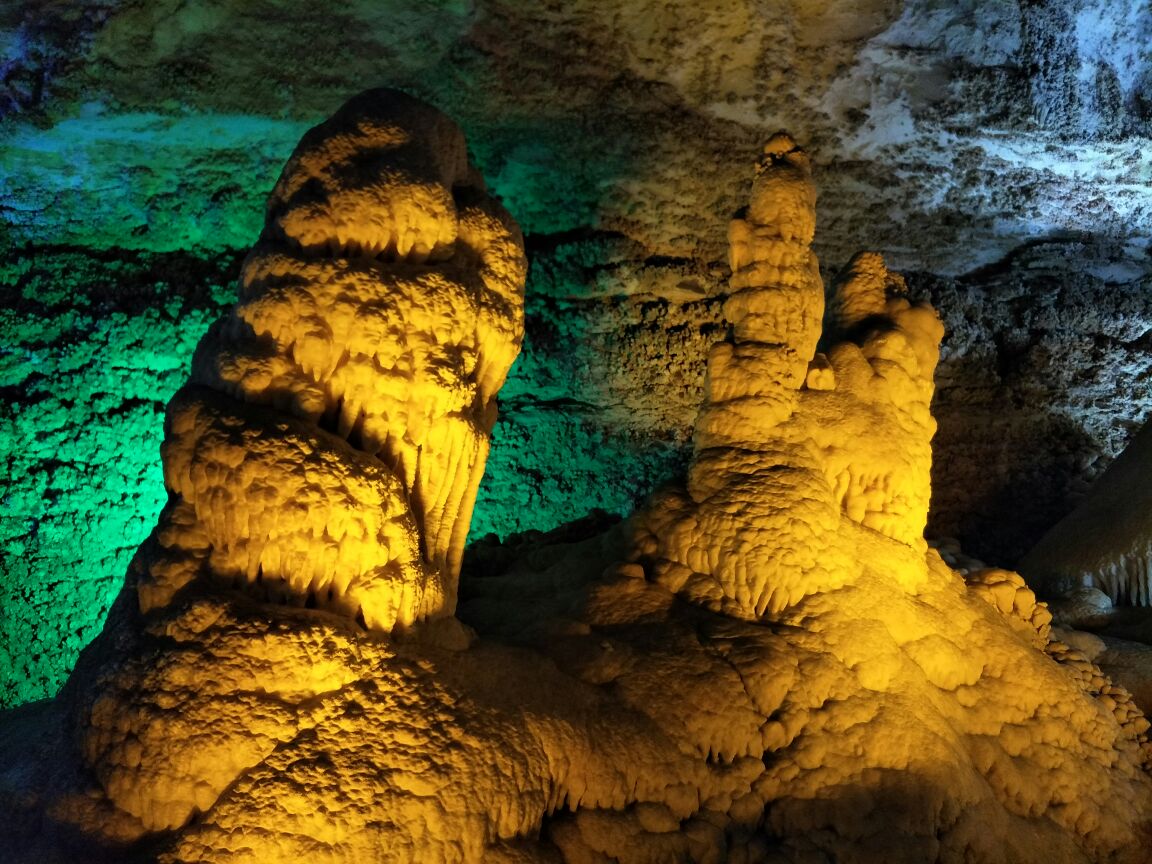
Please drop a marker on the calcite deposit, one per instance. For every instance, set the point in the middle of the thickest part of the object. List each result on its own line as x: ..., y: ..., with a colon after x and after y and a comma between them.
x: 766, y: 663
x: 328, y: 448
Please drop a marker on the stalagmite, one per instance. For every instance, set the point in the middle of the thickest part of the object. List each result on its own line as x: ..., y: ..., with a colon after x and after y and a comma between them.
x: 327, y: 451
x: 882, y: 352
x: 844, y: 431
x: 381, y: 306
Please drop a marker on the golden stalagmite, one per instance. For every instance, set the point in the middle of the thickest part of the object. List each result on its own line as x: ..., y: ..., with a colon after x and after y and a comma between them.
x: 327, y: 451
x: 872, y: 419
x: 846, y: 431
x: 765, y: 664
x: 330, y: 445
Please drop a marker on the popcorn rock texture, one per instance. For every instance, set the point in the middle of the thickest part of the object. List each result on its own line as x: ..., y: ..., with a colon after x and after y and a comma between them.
x: 330, y: 445
x: 766, y: 665
x: 998, y: 156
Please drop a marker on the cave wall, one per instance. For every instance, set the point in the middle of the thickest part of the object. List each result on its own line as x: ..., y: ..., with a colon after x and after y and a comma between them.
x: 995, y: 152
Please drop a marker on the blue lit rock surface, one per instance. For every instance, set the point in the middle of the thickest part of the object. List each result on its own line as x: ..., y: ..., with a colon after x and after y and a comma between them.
x: 999, y: 154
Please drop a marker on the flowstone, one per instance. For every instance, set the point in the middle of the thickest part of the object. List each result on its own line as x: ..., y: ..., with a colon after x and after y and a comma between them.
x: 765, y: 665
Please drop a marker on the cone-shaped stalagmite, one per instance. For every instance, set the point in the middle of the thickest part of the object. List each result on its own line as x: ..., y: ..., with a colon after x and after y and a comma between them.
x: 328, y: 449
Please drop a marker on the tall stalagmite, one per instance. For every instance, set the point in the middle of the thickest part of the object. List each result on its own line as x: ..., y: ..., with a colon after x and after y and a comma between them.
x: 328, y: 449
x: 788, y: 439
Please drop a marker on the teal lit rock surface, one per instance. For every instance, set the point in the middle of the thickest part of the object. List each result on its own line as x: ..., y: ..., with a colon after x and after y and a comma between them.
x: 93, y: 348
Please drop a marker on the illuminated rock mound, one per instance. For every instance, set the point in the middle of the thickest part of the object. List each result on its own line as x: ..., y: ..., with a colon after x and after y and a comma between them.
x: 766, y: 665
x: 327, y: 450
x: 1106, y: 542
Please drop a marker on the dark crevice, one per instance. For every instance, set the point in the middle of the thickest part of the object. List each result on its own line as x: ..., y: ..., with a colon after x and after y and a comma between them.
x: 546, y: 244
x: 561, y: 404
x: 114, y: 279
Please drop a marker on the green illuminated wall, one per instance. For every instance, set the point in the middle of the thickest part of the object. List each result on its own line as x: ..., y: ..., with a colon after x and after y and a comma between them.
x: 92, y: 347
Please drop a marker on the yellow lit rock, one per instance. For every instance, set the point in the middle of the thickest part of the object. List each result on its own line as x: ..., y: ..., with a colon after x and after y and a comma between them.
x: 846, y: 431
x: 382, y: 306
x: 327, y: 452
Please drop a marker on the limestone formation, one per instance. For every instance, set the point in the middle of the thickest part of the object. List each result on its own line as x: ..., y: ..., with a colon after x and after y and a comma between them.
x: 1093, y: 568
x: 328, y: 449
x: 1106, y: 542
x: 882, y: 350
x: 804, y: 510
x: 767, y: 663
x: 844, y: 431
x: 1009, y: 141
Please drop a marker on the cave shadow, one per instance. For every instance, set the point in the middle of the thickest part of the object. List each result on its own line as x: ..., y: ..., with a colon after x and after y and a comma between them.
x: 1000, y: 499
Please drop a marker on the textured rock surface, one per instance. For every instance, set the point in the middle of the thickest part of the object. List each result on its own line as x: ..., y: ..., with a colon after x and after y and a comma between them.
x: 1041, y: 383
x: 947, y: 135
x: 327, y: 450
x: 840, y: 434
x: 1001, y: 122
x: 850, y: 697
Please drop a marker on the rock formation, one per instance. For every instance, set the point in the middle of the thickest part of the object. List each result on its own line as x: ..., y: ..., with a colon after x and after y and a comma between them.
x: 328, y: 448
x: 1106, y: 542
x: 1092, y: 567
x: 766, y: 664
x: 846, y: 431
